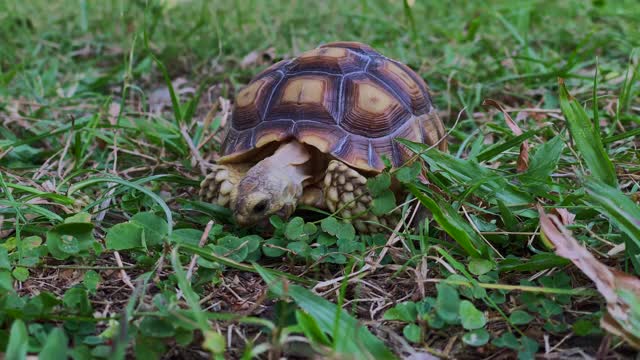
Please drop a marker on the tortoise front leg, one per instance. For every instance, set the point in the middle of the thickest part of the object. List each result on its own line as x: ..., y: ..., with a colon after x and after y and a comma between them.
x: 313, y: 195
x: 220, y: 186
x: 345, y: 192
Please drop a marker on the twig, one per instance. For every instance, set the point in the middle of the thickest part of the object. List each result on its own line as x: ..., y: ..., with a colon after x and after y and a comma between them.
x: 125, y: 278
x: 4, y: 153
x: 226, y: 110
x: 63, y: 154
x: 473, y: 225
x: 392, y: 240
x: 560, y: 342
x: 203, y: 240
x: 135, y: 153
x: 194, y: 151
x: 324, y: 284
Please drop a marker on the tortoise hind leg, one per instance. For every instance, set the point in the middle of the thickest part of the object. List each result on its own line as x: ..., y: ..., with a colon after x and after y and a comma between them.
x: 345, y: 192
x: 220, y: 185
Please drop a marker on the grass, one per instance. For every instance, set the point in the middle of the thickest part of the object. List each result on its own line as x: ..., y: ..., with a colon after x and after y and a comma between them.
x: 105, y: 249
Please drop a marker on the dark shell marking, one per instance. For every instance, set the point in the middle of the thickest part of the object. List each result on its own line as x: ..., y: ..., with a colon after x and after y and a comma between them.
x: 344, y: 98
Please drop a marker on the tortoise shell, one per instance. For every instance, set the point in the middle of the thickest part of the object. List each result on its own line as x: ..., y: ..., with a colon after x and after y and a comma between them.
x: 343, y: 98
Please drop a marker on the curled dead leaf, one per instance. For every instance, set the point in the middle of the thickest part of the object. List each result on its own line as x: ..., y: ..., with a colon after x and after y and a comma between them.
x: 258, y: 57
x: 566, y: 218
x: 522, y: 163
x: 620, y: 290
x: 114, y: 112
x: 160, y: 97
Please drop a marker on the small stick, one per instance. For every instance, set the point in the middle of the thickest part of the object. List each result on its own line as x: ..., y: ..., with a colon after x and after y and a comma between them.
x: 64, y: 151
x: 194, y: 151
x: 125, y: 278
x: 203, y: 240
x: 4, y: 153
x: 392, y: 239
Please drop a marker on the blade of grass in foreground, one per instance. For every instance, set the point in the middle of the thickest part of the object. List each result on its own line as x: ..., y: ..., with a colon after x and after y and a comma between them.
x: 18, y: 341
x: 213, y: 340
x: 362, y: 344
x: 60, y: 199
x: 586, y: 136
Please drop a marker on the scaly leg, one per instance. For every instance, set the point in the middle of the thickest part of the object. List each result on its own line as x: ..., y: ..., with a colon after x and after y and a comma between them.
x: 220, y: 185
x: 345, y: 191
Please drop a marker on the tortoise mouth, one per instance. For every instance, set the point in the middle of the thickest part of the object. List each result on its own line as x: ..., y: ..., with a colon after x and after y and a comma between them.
x: 247, y: 222
x: 285, y: 213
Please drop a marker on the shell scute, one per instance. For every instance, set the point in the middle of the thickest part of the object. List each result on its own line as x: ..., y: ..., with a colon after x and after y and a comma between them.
x: 331, y: 60
x: 251, y: 101
x: 370, y: 109
x: 343, y: 98
x: 403, y: 84
x: 306, y: 97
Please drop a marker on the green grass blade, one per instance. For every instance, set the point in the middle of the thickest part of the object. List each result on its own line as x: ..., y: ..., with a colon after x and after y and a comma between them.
x: 587, y: 138
x: 408, y: 13
x: 363, y: 344
x: 18, y: 341
x: 21, y: 208
x: 190, y: 296
x: 490, y: 185
x: 210, y: 256
x: 624, y: 135
x: 497, y: 149
x: 537, y: 262
x: 452, y: 223
x: 193, y: 103
x: 60, y: 199
x: 175, y: 103
x: 55, y: 346
x: 151, y: 194
x: 621, y: 211
x: 630, y: 80
x: 545, y: 160
x: 594, y: 97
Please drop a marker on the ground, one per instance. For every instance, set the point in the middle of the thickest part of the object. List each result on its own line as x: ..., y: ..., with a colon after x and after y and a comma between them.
x: 111, y: 112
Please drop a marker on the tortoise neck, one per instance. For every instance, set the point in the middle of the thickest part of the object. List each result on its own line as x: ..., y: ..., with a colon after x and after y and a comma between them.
x: 291, y: 153
x: 280, y: 177
x: 289, y: 164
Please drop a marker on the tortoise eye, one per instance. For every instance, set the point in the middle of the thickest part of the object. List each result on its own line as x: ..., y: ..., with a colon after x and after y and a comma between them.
x: 260, y: 207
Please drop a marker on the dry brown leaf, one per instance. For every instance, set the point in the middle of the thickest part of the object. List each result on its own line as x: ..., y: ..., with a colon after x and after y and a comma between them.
x: 258, y: 57
x: 114, y: 111
x: 621, y: 317
x: 566, y: 218
x: 523, y: 159
x: 160, y: 97
x: 422, y: 356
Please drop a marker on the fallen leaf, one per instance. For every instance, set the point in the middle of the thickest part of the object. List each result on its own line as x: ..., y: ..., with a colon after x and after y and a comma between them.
x: 258, y: 57
x: 422, y: 356
x: 620, y: 290
x: 114, y: 111
x: 566, y: 218
x: 523, y: 159
x: 160, y: 98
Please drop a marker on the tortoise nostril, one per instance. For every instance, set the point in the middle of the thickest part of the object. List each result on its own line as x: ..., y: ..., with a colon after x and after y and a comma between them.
x: 260, y: 207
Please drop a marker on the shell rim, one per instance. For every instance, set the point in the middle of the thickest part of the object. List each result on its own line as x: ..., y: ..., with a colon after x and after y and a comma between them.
x: 237, y: 157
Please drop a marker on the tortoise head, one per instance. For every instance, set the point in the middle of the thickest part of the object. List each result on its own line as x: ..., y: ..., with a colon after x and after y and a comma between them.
x: 263, y: 192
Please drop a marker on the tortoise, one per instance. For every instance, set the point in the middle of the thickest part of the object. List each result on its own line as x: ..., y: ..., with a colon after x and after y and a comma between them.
x: 312, y: 129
